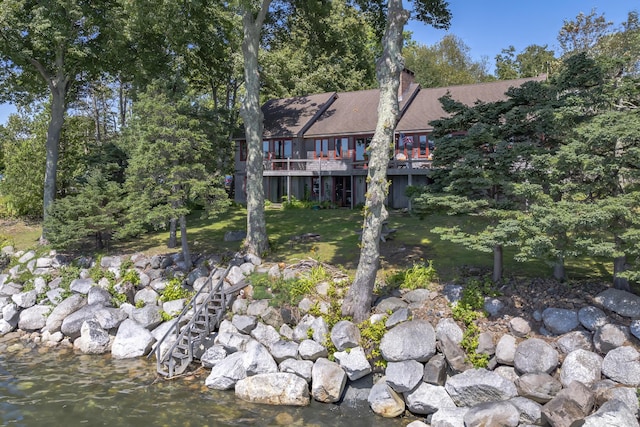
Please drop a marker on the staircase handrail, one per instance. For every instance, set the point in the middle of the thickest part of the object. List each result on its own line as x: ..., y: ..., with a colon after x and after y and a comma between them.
x: 161, y: 358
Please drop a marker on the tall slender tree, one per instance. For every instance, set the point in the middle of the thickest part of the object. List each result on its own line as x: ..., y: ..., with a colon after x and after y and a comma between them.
x: 357, y: 302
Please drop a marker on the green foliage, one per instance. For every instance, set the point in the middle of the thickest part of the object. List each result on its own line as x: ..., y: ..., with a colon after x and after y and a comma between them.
x: 293, y: 203
x: 287, y: 292
x: 131, y: 276
x: 165, y: 316
x: 139, y: 303
x: 418, y: 276
x: 371, y: 335
x: 174, y: 290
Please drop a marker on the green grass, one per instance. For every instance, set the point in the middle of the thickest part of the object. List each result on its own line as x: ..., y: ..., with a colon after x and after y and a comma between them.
x: 338, y: 244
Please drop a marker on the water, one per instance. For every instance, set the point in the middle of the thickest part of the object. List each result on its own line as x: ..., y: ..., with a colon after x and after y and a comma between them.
x: 57, y: 387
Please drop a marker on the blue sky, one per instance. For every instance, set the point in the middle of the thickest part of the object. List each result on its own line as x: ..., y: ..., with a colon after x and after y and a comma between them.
x: 488, y: 26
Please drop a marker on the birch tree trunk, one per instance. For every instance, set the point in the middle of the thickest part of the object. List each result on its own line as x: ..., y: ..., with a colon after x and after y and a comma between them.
x: 256, y: 242
x: 357, y: 302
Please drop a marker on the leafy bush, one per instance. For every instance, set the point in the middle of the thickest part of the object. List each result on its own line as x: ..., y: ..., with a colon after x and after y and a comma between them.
x: 174, y: 291
x: 371, y: 335
x: 420, y: 275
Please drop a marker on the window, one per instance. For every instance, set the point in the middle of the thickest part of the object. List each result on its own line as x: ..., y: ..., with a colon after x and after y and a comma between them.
x: 322, y: 148
x: 341, y: 147
x: 362, y: 143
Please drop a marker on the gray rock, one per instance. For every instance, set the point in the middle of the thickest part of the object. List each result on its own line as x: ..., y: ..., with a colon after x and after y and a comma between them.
x: 72, y: 324
x: 485, y: 344
x: 418, y: 296
x: 384, y: 401
x: 607, y: 390
x: 11, y: 314
x: 274, y: 389
x: 93, y: 339
x: 404, y: 376
x: 274, y: 272
x: 28, y: 256
x: 622, y: 365
x: 539, y: 387
x: 286, y: 332
x: 435, y: 370
x: 6, y: 327
x: 576, y: 340
x: 559, y: 321
x: 624, y: 303
x: 569, y: 406
x: 272, y: 316
x: 354, y: 362
x: 258, y: 360
x: 33, y: 318
x: 503, y: 414
x: 63, y: 310
x: 320, y: 330
x: 282, y: 350
x: 148, y: 296
x: 110, y: 317
x: 508, y: 372
x: 344, y: 335
x: 235, y: 276
x: 257, y: 307
x: 530, y: 411
x: 243, y: 323
x: 253, y: 259
x: 389, y: 305
x: 634, y: 328
x: 493, y: 306
x: 226, y: 373
x: 10, y: 288
x: 328, y: 380
x: 414, y: 340
x: 265, y: 334
x: 147, y: 316
x: 44, y: 262
x: 609, y: 337
x: 234, y: 236
x: 25, y: 299
x: 97, y: 295
x: 427, y: 399
x: 478, y: 386
x: 239, y: 306
x: 592, y: 317
x: 231, y: 341
x: 197, y: 273
x: 173, y: 307
x: 535, y: 355
x: 581, y: 365
x: 132, y: 340
x: 613, y: 413
x: 450, y: 328
x: 356, y: 394
x: 159, y: 284
x: 455, y: 355
x: 300, y: 332
x: 453, y: 293
x: 111, y: 262
x: 82, y: 286
x: 301, y: 368
x: 401, y: 315
x: 449, y: 417
x: 55, y: 296
x: 311, y: 350
x: 519, y: 327
x: 506, y: 349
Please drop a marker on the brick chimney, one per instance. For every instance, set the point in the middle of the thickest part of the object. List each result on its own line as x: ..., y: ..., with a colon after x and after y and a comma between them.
x: 407, y: 77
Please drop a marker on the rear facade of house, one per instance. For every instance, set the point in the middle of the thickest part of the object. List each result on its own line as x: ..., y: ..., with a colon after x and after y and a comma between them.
x: 315, y: 147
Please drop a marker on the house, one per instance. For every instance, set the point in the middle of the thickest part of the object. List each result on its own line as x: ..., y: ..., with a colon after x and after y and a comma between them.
x: 315, y: 146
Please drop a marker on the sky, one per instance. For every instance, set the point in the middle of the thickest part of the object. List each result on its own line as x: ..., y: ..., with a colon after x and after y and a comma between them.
x: 488, y: 26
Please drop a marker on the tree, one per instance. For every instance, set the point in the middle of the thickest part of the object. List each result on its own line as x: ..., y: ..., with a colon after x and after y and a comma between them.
x: 532, y: 61
x: 357, y: 302
x: 44, y: 48
x: 584, y: 33
x: 168, y: 169
x: 252, y: 20
x: 445, y: 63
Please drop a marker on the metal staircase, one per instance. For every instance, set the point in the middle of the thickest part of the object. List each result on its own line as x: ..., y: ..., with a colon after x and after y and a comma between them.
x: 176, y: 350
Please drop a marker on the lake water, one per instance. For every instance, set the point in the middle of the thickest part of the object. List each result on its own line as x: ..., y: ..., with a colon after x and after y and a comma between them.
x: 57, y: 387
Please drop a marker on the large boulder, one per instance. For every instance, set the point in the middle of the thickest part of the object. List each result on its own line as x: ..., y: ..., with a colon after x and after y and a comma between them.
x: 64, y: 309
x: 384, y: 401
x: 93, y: 339
x: 559, y: 321
x: 506, y: 349
x: 623, y: 365
x: 569, y: 406
x: 33, y: 318
x: 575, y: 340
x: 226, y: 373
x: 258, y: 360
x: 344, y: 335
x: 592, y: 317
x: 613, y: 413
x: 25, y: 299
x: 327, y: 381
x: 449, y: 417
x: 414, y: 340
x: 479, y: 386
x: 622, y: 302
x: 301, y: 368
x: 427, y: 399
x: 503, y: 414
x: 148, y: 316
x: 274, y: 389
x: 72, y: 324
x: 535, y: 355
x: 132, y: 340
x: 530, y: 411
x: 404, y: 376
x: 355, y: 363
x: 311, y: 350
x: 581, y: 365
x: 540, y: 387
x: 282, y: 350
x: 610, y: 336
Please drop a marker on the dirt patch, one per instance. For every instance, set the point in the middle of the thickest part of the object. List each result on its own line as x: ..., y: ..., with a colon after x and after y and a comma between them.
x: 396, y: 255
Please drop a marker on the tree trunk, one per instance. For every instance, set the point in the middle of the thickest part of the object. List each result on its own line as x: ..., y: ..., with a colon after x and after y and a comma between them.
x: 559, y: 272
x: 173, y: 238
x: 497, y: 263
x: 185, y: 244
x: 619, y: 266
x: 357, y: 302
x: 256, y: 242
x: 58, y: 107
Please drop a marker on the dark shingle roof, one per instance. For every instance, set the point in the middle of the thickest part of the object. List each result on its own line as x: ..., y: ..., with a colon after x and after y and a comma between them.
x: 289, y: 117
x: 426, y: 105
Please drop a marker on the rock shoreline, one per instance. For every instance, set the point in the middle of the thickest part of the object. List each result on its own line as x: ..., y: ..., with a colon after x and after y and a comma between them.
x: 568, y: 366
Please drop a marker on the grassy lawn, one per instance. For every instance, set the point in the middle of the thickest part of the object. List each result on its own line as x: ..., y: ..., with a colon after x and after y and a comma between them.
x: 337, y: 243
